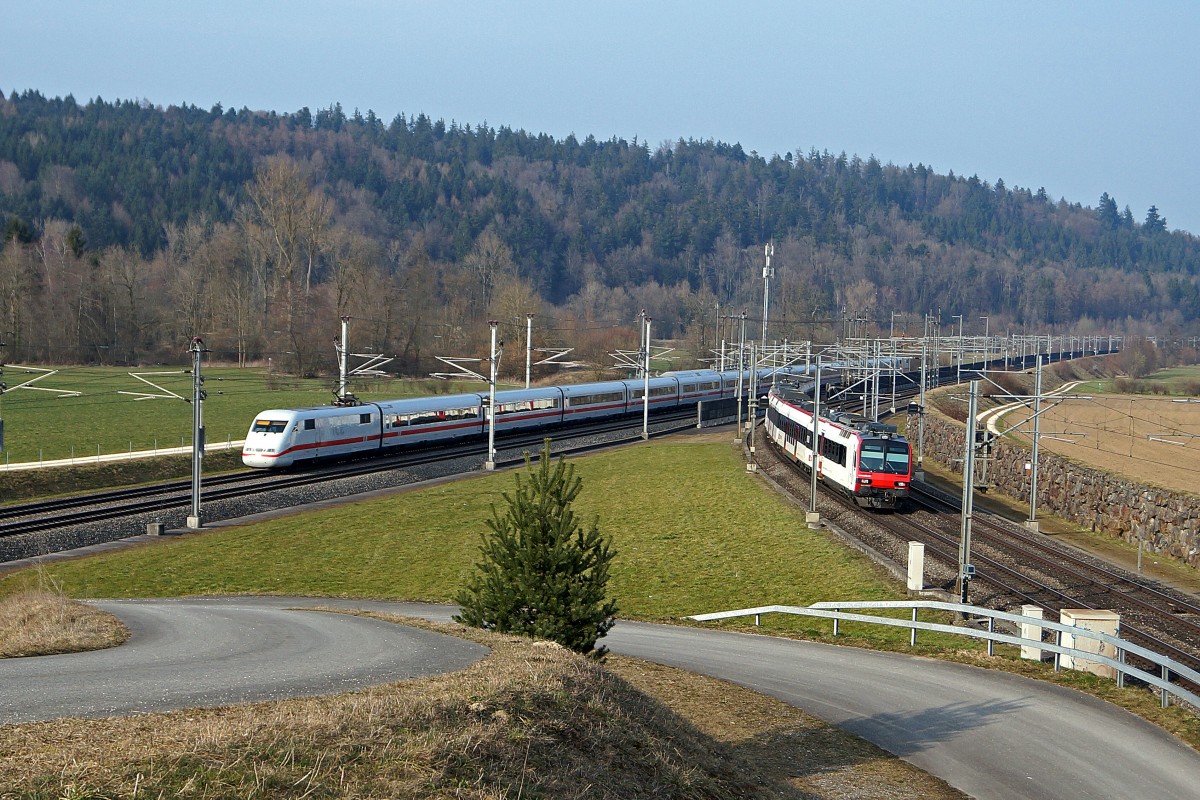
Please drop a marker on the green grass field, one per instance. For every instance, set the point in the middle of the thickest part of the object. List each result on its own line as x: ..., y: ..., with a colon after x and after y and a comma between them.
x: 694, y: 534
x: 1183, y: 381
x: 45, y: 425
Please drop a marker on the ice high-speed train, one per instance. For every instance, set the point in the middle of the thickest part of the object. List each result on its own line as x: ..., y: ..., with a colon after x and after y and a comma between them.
x: 289, y: 436
x: 867, y: 460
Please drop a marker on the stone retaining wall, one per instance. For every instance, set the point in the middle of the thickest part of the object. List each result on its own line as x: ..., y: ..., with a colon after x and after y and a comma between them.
x: 1166, y: 521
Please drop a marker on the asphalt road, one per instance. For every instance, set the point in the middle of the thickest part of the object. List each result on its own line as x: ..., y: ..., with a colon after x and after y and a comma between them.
x: 189, y: 653
x: 992, y: 735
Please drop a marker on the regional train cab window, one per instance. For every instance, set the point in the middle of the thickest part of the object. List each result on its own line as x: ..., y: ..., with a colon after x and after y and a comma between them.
x: 897, y: 458
x: 871, y: 457
x: 269, y: 426
x: 883, y: 455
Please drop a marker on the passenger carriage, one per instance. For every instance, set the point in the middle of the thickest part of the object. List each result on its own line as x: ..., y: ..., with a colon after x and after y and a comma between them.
x: 664, y: 392
x: 431, y: 419
x: 698, y: 385
x: 867, y: 460
x: 588, y: 400
x: 528, y: 408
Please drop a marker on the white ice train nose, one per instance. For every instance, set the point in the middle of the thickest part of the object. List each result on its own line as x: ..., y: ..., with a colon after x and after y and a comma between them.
x: 264, y: 451
x: 259, y: 460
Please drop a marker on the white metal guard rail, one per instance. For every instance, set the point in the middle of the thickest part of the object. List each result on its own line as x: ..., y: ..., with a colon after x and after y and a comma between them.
x: 834, y: 611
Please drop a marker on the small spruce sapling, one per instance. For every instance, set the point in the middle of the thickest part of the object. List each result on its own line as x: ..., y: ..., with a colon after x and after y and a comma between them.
x: 542, y: 574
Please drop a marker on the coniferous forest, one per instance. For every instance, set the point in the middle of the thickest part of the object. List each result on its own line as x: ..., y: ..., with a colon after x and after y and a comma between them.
x: 130, y: 227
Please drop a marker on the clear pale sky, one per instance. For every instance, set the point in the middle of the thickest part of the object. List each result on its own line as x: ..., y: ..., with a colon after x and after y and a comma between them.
x: 1077, y: 97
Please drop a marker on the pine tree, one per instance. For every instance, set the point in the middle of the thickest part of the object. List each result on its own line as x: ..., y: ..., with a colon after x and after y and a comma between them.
x: 542, y: 574
x: 1107, y: 213
x: 1154, y: 222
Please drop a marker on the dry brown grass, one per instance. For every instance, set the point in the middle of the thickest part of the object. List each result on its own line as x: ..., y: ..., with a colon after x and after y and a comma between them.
x: 1149, y: 439
x: 38, y: 623
x: 531, y: 720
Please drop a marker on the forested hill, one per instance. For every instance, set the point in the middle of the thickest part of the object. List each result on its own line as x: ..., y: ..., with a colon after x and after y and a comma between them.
x: 596, y: 227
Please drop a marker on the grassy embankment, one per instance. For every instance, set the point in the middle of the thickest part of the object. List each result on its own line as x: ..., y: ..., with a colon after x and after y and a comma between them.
x: 548, y: 719
x: 530, y: 721
x: 1182, y: 381
x: 694, y: 533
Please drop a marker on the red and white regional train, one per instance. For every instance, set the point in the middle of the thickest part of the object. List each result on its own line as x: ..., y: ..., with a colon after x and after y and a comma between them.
x: 867, y: 460
x: 285, y: 437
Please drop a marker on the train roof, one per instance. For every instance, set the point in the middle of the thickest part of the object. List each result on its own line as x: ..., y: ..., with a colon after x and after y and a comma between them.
x: 575, y: 389
x: 433, y: 402
x: 693, y: 374
x: 533, y: 393
x: 793, y: 390
x: 798, y: 396
x: 399, y: 405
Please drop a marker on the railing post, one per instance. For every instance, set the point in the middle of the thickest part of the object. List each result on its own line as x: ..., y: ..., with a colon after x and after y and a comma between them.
x: 1121, y: 672
x: 991, y: 629
x: 1057, y: 641
x: 1166, y: 676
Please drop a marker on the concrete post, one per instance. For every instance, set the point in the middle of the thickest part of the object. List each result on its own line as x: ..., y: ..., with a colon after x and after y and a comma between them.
x: 1031, y: 631
x: 916, y: 566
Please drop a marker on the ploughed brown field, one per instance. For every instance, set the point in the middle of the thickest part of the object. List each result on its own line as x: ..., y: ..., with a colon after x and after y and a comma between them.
x: 1154, y: 440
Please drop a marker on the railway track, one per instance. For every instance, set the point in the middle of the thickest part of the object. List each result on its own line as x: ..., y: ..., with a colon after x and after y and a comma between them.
x: 124, y: 512
x: 1014, y: 566
x: 1035, y: 569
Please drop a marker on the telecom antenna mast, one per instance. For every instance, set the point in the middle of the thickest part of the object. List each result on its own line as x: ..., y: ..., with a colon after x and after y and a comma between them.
x: 768, y: 273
